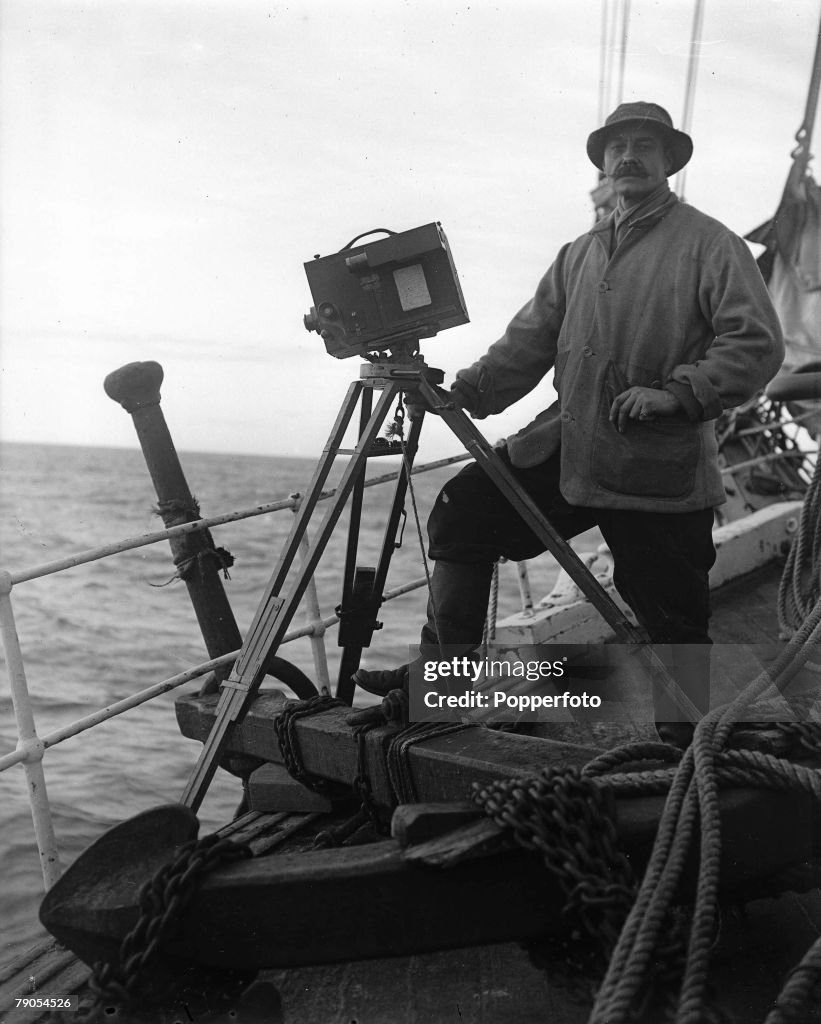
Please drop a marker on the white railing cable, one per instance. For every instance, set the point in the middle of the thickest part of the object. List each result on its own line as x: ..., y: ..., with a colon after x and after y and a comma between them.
x: 144, y: 539
x: 31, y: 748
x: 65, y: 732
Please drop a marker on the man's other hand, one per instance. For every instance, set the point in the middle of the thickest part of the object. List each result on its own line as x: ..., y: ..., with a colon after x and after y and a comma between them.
x: 642, y: 404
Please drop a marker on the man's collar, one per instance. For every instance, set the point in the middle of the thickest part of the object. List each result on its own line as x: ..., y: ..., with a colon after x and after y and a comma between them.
x: 655, y: 204
x: 646, y: 205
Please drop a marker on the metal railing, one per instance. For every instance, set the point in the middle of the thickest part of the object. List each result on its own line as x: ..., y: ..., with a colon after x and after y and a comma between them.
x: 31, y: 747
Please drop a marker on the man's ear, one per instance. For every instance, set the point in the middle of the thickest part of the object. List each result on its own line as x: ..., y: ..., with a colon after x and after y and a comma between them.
x: 668, y: 161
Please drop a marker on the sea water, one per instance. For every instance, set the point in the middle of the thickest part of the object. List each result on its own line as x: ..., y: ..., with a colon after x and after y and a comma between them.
x: 99, y: 632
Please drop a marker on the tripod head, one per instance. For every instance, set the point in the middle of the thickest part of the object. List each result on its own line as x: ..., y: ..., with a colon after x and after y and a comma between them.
x: 401, y: 361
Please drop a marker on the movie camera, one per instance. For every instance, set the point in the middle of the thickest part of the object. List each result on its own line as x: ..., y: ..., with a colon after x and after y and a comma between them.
x: 370, y: 297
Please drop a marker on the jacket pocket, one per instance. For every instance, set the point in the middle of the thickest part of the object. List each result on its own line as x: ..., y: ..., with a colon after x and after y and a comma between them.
x: 652, y: 458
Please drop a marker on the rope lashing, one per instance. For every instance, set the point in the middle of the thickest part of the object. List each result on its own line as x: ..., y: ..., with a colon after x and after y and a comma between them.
x: 397, y: 754
x: 393, y: 710
x: 173, y: 512
x: 221, y: 556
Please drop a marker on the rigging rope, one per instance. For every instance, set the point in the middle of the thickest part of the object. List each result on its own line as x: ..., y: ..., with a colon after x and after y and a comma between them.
x: 609, y: 46
x: 690, y: 88
x: 625, y: 27
x: 803, y: 137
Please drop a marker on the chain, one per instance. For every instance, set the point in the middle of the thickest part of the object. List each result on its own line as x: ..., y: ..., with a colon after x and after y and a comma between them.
x: 285, y: 728
x: 563, y: 815
x: 161, y: 900
x: 362, y: 782
x: 367, y: 813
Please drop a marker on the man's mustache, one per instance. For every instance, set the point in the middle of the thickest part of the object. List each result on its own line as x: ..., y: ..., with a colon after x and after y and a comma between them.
x: 630, y: 170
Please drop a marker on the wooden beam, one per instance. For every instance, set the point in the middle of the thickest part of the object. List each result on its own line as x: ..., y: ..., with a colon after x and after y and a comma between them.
x: 762, y: 831
x: 443, y: 768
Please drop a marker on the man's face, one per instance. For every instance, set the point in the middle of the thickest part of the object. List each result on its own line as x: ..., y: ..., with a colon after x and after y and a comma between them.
x: 636, y: 162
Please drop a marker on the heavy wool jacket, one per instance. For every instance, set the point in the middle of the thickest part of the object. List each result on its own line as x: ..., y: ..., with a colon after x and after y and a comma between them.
x: 678, y: 304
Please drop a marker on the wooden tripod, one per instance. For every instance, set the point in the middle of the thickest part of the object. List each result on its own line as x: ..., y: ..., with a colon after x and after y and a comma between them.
x: 279, y: 604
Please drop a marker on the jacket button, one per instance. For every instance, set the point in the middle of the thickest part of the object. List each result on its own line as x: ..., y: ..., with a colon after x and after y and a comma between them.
x: 565, y: 417
x: 587, y: 351
x: 604, y: 286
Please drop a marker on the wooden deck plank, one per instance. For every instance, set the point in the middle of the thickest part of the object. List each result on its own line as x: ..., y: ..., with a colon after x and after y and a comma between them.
x: 487, y: 985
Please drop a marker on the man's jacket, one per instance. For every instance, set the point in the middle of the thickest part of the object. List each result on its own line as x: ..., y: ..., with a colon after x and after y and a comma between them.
x: 680, y: 304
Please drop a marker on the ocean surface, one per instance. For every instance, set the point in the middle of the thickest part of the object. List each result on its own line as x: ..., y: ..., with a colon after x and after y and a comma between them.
x: 98, y: 632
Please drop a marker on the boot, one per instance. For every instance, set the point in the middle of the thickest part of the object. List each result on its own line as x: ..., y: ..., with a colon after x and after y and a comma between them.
x: 689, y: 665
x: 457, y: 607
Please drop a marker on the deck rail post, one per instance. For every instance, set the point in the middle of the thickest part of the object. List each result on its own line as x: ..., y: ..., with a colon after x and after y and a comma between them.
x: 28, y: 740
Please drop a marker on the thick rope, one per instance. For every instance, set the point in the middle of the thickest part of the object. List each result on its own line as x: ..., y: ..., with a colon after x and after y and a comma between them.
x: 693, y: 800
x: 802, y: 985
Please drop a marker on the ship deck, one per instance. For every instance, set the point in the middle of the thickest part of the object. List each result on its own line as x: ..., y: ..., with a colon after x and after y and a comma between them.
x: 758, y: 944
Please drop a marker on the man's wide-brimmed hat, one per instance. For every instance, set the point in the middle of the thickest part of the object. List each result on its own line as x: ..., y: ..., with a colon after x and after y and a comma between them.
x: 641, y: 115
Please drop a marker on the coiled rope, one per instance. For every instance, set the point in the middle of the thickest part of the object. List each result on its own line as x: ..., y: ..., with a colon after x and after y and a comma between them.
x: 692, y: 805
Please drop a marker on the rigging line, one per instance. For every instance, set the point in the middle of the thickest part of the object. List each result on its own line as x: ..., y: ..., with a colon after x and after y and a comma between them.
x: 804, y: 134
x: 690, y: 88
x: 625, y: 28
x: 604, y: 85
x: 610, y: 52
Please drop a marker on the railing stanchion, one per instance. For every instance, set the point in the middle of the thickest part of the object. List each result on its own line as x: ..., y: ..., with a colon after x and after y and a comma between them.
x: 27, y: 739
x: 524, y: 588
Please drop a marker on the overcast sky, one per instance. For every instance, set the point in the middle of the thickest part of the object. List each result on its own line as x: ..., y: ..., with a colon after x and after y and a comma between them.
x: 166, y: 168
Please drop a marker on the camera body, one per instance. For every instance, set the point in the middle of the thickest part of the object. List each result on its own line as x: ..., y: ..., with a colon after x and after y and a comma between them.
x: 370, y: 297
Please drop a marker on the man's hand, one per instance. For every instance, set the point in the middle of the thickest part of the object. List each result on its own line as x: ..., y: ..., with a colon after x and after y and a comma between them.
x: 416, y: 404
x: 642, y: 404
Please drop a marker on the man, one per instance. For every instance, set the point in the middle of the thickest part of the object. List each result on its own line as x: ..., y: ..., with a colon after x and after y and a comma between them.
x: 653, y: 322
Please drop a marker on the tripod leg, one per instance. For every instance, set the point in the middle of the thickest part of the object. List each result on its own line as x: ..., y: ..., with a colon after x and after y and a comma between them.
x: 478, y: 446
x: 372, y: 601
x: 352, y: 580
x: 275, y: 612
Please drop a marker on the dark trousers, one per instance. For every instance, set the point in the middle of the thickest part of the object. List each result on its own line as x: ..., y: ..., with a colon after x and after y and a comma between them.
x: 661, y: 559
